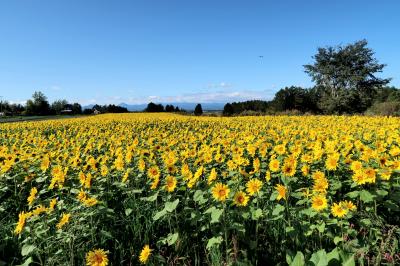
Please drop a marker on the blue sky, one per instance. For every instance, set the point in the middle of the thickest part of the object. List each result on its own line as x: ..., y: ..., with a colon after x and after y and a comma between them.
x: 170, y: 51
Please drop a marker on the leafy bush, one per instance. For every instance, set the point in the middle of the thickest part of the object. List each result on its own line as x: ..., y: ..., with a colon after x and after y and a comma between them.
x: 385, y: 108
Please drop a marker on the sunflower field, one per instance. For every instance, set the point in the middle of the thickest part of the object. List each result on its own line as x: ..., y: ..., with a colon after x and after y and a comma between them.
x: 166, y: 189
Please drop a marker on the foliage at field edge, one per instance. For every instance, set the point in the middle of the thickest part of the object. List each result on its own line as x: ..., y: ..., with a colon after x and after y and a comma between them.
x: 168, y: 189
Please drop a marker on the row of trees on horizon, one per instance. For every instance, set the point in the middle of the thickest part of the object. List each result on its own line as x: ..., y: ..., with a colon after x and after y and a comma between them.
x: 40, y: 106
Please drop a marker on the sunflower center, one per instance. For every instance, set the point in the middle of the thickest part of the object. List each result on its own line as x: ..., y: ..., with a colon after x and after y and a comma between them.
x: 98, y: 258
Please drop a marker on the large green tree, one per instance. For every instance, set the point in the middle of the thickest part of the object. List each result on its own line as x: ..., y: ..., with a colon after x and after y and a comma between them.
x: 38, y: 105
x: 346, y: 77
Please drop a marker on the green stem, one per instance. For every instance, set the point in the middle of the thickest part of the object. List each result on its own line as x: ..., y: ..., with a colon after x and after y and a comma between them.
x: 257, y: 233
x: 226, y: 235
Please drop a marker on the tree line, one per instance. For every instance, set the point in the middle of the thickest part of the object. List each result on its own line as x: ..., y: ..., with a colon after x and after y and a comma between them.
x: 347, y: 81
x: 40, y: 106
x: 169, y: 108
x: 156, y: 108
x: 110, y: 108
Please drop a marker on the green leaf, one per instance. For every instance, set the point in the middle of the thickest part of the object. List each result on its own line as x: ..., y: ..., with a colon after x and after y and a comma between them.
x: 319, y: 258
x: 309, y: 212
x: 353, y: 194
x: 256, y: 213
x: 171, y: 206
x: 273, y: 196
x: 27, y: 262
x: 333, y: 256
x: 366, y: 222
x: 135, y: 191
x: 150, y: 198
x: 128, y: 211
x: 41, y: 179
x: 214, y: 241
x: 171, y: 238
x: 335, y: 185
x: 215, y: 214
x: 381, y: 192
x: 238, y: 227
x: 289, y: 229
x: 278, y: 209
x: 366, y: 196
x: 159, y: 214
x: 298, y: 260
x: 337, y: 239
x: 321, y: 227
x: 246, y: 215
x: 347, y: 259
x: 289, y: 256
x: 27, y: 249
x: 308, y: 232
x: 199, y: 197
x: 301, y: 202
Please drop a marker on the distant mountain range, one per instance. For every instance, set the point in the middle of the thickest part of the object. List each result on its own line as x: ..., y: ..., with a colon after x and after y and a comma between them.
x: 186, y: 106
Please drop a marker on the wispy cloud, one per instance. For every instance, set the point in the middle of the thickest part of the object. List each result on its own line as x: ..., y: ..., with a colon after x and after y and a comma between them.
x: 221, y: 96
x: 22, y: 102
x: 220, y: 85
x: 55, y: 88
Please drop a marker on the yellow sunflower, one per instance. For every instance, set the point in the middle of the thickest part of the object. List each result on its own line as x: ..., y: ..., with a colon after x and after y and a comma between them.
x: 253, y: 186
x: 64, y: 220
x: 170, y: 183
x: 212, y: 176
x: 281, y: 192
x: 288, y: 169
x: 356, y: 166
x: 32, y: 196
x: 274, y: 165
x: 331, y: 162
x: 153, y: 172
x: 145, y: 254
x: 21, y: 223
x: 52, y: 204
x: 338, y: 210
x: 348, y: 205
x: 220, y: 192
x: 240, y: 198
x: 319, y: 203
x: 97, y: 257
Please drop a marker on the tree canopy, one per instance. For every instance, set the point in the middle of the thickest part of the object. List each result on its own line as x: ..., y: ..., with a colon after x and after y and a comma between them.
x: 38, y: 105
x: 198, y: 110
x: 346, y: 77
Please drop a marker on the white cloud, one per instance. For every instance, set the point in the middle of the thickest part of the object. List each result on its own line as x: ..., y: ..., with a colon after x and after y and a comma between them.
x: 22, y: 102
x: 55, y: 88
x: 222, y: 96
x: 220, y: 85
